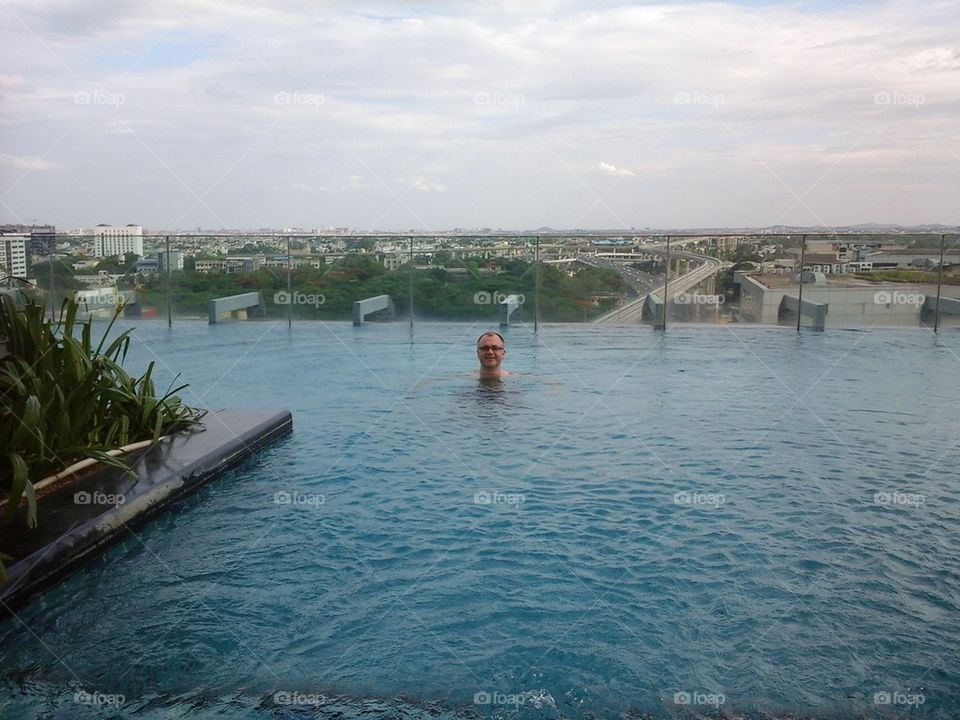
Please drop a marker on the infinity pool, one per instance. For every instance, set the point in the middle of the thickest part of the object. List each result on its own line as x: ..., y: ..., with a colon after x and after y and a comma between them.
x: 716, y: 520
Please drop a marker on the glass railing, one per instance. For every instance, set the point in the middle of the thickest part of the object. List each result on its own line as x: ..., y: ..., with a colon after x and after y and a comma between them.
x: 816, y: 281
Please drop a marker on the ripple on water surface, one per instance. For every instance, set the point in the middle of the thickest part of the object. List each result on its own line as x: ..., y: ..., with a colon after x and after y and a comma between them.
x: 718, y: 512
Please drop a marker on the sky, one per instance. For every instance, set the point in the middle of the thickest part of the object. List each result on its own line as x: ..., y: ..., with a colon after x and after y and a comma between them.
x: 515, y: 115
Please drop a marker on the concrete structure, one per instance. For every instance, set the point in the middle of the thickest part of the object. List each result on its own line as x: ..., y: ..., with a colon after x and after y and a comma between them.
x: 850, y: 302
x: 949, y: 309
x: 13, y: 255
x: 508, y: 306
x: 653, y: 309
x: 237, y: 305
x: 815, y: 312
x: 112, y: 240
x: 380, y: 303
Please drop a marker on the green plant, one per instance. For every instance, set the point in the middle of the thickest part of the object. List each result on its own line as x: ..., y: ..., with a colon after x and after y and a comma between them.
x: 62, y: 399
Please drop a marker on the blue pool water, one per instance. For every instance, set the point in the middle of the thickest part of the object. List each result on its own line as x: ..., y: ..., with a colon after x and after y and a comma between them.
x: 745, y: 519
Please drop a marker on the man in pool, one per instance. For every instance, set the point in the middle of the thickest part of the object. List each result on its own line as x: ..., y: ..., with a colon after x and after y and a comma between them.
x: 490, y: 353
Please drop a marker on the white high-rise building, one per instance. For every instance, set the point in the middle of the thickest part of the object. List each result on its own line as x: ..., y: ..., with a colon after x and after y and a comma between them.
x: 13, y: 254
x: 111, y: 240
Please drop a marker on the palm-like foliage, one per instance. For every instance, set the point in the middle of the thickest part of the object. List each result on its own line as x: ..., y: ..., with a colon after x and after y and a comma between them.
x: 63, y: 399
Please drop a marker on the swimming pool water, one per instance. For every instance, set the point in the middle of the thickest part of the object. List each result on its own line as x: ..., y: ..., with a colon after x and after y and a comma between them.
x: 720, y: 518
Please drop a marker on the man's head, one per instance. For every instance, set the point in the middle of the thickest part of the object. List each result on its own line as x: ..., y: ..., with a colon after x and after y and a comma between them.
x: 490, y: 353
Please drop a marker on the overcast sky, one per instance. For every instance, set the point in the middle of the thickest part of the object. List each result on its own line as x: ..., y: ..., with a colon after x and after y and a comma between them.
x: 514, y: 115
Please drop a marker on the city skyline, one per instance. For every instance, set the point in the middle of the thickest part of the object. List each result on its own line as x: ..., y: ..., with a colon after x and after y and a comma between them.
x: 427, y: 117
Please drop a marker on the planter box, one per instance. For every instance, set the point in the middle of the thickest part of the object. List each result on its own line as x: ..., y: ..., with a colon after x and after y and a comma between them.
x: 78, y: 521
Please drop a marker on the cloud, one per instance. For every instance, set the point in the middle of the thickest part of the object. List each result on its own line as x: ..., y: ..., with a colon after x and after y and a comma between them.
x: 311, y: 189
x: 421, y: 185
x: 27, y: 162
x: 503, y: 97
x: 356, y: 182
x: 608, y: 169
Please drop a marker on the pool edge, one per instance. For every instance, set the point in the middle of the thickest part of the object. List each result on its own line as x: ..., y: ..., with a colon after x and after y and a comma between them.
x: 78, y: 533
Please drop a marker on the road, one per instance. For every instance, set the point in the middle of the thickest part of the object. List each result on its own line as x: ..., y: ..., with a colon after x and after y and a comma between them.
x: 633, y: 310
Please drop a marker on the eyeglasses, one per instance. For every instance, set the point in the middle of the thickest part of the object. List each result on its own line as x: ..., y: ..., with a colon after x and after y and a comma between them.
x: 485, y: 348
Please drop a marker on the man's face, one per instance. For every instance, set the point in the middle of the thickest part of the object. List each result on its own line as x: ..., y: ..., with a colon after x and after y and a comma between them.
x: 490, y: 351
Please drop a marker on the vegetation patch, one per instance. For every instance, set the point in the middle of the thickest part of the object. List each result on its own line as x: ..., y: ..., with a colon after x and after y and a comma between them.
x: 63, y: 398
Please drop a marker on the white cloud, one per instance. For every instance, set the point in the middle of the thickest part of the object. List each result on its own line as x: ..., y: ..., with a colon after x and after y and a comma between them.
x: 27, y: 162
x: 422, y: 185
x: 311, y: 189
x: 608, y: 169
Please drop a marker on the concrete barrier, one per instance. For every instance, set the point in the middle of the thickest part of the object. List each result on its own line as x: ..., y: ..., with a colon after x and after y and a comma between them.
x: 653, y: 309
x: 948, y: 306
x: 236, y: 305
x: 508, y: 306
x: 817, y: 312
x: 362, y: 308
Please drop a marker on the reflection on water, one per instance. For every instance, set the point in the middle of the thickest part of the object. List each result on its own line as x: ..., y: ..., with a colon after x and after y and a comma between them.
x: 490, y: 387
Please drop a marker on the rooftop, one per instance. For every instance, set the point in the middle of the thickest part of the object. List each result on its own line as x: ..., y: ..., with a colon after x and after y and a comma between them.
x: 780, y: 280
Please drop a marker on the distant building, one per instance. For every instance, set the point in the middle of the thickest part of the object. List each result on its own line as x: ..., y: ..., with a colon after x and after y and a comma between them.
x: 43, y: 242
x: 391, y: 261
x: 297, y: 261
x: 112, y: 240
x: 235, y: 264
x: 909, y: 258
x: 41, y: 239
x: 176, y: 261
x: 13, y: 254
x: 101, y: 279
x: 147, y: 265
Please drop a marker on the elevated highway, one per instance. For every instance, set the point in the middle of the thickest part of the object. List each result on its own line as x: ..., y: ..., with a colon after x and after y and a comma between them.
x: 632, y: 312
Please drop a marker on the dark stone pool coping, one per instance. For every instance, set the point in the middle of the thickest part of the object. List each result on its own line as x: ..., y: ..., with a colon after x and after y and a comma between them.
x: 74, y: 528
